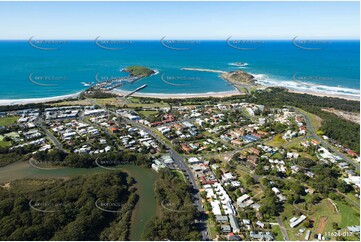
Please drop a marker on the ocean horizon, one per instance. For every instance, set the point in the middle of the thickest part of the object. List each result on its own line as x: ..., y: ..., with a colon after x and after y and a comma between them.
x: 50, y: 68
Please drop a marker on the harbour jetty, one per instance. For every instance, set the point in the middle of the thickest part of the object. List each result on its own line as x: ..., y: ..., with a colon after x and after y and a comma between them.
x: 135, y: 73
x: 139, y: 88
x: 108, y: 85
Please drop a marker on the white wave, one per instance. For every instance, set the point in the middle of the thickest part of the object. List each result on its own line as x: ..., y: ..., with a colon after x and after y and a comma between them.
x: 239, y: 64
x: 37, y: 100
x: 230, y: 92
x: 264, y: 80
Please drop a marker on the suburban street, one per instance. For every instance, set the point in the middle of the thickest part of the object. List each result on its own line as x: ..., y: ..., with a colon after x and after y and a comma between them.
x: 179, y: 160
x: 181, y: 163
x: 50, y: 135
x: 325, y: 144
x: 279, y: 221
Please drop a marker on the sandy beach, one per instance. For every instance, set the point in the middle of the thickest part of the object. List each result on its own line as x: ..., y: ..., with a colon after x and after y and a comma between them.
x: 37, y: 100
x: 178, y: 95
x: 226, y: 94
x: 165, y: 96
x: 347, y: 97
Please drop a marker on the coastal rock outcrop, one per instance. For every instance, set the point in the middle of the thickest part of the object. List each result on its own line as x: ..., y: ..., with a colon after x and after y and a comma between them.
x: 239, y: 77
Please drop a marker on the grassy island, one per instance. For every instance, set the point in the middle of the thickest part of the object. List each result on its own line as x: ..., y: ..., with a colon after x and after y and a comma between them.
x: 139, y: 71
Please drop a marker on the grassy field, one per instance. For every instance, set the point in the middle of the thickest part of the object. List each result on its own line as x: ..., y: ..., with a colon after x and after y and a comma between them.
x: 101, y: 101
x: 147, y: 113
x: 72, y: 103
x: 276, y: 230
x: 350, y: 215
x: 242, y: 174
x: 277, y: 156
x: 277, y: 141
x: 212, y: 228
x: 307, y: 156
x: 292, y: 232
x: 8, y: 120
x: 315, y: 120
x: 134, y: 99
x: 148, y: 105
x: 323, y: 216
x: 352, y: 197
x: 257, y: 191
x: 4, y: 143
x: 294, y: 142
x: 109, y: 101
x: 180, y: 175
x: 7, y: 143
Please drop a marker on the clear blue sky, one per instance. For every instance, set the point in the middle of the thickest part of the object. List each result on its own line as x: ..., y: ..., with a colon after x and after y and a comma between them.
x: 181, y: 20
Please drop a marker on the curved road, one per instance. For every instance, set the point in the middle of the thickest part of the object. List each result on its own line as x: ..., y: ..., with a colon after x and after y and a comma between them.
x: 179, y: 160
x: 325, y: 144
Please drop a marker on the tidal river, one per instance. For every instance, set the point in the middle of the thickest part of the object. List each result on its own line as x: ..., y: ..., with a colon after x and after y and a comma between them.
x: 144, y: 211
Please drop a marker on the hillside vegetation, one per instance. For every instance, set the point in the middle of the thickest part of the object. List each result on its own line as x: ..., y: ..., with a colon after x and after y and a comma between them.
x: 176, y: 221
x: 139, y: 71
x: 66, y: 210
x: 344, y: 131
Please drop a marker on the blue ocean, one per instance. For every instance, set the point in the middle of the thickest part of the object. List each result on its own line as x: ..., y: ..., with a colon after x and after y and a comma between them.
x: 39, y: 69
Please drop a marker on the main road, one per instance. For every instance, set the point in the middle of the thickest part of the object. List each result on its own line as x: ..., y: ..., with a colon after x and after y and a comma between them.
x: 181, y: 163
x: 179, y: 160
x: 332, y: 148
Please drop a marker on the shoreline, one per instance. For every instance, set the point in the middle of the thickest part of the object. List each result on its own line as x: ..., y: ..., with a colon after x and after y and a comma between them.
x: 7, y: 102
x: 234, y: 92
x: 177, y: 95
x: 10, y: 102
x: 347, y: 97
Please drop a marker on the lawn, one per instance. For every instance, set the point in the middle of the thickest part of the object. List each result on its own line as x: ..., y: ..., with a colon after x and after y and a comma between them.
x: 109, y: 101
x: 292, y: 232
x: 350, y: 215
x: 72, y: 103
x: 12, y: 135
x: 257, y: 191
x: 4, y: 144
x: 134, y: 99
x: 212, y: 228
x: 294, y: 142
x: 277, y: 156
x: 180, y: 175
x: 8, y: 120
x: 148, y: 113
x: 352, y: 197
x: 323, y: 216
x: 277, y: 141
x: 315, y: 120
x: 277, y: 231
x: 148, y: 105
x: 241, y: 174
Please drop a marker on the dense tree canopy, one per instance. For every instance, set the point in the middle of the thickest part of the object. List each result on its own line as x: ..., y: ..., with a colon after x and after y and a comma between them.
x: 176, y: 221
x: 66, y: 210
x: 342, y: 130
x: 58, y: 157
